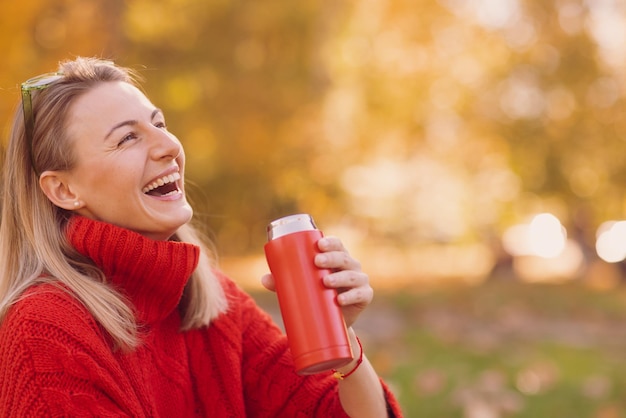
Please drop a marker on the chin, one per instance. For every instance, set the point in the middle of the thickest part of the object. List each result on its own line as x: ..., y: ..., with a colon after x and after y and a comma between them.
x: 175, y: 226
x: 163, y: 225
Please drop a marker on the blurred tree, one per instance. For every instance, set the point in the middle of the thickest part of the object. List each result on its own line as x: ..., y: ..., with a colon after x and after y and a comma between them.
x: 413, y: 121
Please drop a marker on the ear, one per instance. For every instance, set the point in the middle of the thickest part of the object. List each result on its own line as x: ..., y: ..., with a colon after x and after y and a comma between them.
x: 56, y: 187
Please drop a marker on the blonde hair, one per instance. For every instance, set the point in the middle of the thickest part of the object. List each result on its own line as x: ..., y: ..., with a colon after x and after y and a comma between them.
x: 33, y: 245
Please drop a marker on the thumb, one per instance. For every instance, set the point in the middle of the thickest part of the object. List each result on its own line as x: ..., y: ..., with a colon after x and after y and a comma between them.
x: 267, y: 280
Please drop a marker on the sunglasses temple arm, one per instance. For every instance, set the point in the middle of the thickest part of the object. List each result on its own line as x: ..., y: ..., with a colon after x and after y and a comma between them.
x: 29, y: 123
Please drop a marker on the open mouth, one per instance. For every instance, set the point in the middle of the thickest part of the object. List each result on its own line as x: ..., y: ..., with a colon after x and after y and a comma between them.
x: 164, y: 186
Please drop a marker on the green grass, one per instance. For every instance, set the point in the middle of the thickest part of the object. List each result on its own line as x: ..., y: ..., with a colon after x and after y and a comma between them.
x: 511, y: 349
x: 503, y: 349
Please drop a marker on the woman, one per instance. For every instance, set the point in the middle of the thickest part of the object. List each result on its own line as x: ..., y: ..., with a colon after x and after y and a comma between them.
x: 108, y: 302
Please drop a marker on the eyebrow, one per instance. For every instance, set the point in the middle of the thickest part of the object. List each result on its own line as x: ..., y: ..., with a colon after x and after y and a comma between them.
x: 131, y: 122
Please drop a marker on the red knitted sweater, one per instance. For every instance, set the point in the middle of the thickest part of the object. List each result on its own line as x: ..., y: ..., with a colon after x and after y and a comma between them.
x: 55, y: 360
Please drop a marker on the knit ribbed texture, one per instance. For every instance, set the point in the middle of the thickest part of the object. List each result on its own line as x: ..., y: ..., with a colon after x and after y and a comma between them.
x: 159, y: 269
x: 55, y: 360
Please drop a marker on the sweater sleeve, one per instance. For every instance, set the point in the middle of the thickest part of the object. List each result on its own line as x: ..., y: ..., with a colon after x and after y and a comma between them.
x: 272, y: 388
x: 51, y: 358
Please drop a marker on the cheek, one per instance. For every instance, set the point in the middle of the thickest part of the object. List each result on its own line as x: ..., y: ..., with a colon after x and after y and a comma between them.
x: 180, y: 160
x: 104, y: 181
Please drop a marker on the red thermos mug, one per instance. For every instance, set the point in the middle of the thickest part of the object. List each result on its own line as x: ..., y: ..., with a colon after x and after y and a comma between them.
x: 313, y: 321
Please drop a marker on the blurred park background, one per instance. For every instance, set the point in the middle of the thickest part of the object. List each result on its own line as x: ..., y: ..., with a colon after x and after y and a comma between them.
x: 469, y: 152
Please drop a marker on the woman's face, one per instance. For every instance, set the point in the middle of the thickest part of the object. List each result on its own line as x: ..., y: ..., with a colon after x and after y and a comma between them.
x: 129, y: 169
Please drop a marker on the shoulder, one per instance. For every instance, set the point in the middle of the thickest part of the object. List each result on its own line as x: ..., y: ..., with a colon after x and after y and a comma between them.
x: 47, y: 311
x: 240, y: 302
x: 49, y: 302
x: 243, y: 312
x: 50, y: 348
x: 232, y: 291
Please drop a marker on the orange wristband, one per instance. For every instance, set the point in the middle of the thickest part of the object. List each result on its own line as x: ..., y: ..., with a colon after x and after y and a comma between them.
x: 340, y: 376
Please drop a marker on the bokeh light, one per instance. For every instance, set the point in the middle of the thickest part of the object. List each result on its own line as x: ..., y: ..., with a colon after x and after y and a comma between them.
x: 544, y: 236
x: 611, y: 241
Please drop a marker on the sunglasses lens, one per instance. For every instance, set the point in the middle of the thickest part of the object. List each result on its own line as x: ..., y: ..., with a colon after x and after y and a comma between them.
x: 41, y: 81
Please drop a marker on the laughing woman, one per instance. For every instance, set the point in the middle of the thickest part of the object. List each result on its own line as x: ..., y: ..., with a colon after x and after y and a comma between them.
x: 109, y: 305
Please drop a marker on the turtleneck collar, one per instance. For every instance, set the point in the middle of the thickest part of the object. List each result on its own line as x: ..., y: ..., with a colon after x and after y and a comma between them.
x: 152, y: 274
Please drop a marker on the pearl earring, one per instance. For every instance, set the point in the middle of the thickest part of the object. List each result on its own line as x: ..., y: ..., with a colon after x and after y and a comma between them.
x: 76, y: 203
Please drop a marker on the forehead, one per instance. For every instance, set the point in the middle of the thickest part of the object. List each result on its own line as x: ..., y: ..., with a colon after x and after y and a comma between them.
x: 108, y: 103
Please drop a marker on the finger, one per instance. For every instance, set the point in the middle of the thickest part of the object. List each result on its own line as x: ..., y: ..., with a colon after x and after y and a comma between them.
x: 337, y: 260
x: 330, y: 243
x: 357, y: 296
x: 267, y: 280
x: 346, y: 279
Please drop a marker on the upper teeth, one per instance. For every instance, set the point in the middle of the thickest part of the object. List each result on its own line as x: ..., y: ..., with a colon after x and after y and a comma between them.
x: 160, y: 182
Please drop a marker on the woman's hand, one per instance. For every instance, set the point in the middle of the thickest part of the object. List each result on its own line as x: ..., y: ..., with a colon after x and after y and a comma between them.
x: 352, y: 285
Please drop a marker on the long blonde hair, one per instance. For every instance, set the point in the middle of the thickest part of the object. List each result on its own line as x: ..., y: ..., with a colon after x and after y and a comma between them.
x: 33, y: 245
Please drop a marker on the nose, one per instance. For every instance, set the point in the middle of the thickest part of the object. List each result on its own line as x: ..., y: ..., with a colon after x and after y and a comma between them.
x: 164, y: 145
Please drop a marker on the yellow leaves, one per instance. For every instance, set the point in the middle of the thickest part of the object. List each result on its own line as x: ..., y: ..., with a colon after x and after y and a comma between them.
x: 150, y: 21
x: 182, y: 92
x: 176, y: 23
x: 200, y: 148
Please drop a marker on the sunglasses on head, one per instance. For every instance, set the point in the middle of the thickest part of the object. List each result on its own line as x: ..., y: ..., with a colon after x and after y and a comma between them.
x: 36, y: 83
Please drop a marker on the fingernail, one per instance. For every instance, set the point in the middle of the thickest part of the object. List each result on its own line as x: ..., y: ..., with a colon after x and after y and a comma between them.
x: 322, y: 259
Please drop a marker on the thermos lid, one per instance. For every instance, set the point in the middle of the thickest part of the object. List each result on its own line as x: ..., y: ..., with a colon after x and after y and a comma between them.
x: 290, y: 224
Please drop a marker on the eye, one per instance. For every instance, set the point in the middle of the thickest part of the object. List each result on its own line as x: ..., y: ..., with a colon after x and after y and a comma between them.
x: 160, y: 125
x: 127, y: 138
